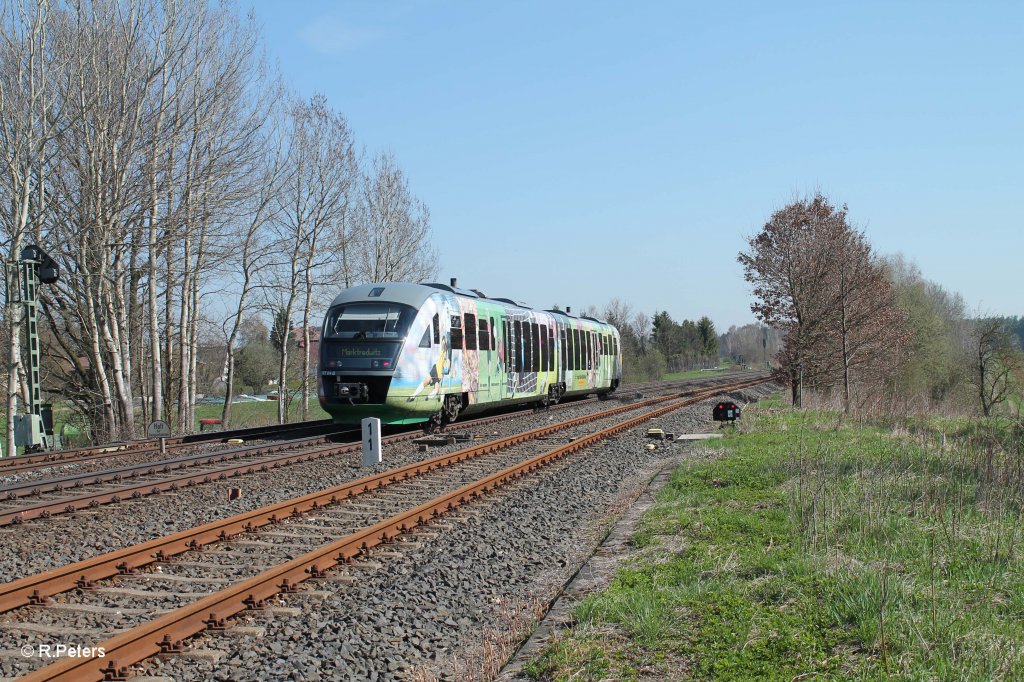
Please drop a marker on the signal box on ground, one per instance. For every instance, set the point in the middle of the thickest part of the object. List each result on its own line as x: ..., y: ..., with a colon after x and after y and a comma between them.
x: 726, y: 412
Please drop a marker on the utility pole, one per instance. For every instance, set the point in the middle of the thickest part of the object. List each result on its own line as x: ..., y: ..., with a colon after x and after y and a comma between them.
x: 34, y: 430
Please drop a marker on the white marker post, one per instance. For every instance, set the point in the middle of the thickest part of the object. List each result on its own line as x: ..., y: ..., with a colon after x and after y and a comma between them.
x: 371, y: 442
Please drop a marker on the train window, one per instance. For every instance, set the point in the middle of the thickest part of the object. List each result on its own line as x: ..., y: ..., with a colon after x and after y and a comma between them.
x: 590, y: 349
x: 542, y: 343
x: 437, y: 328
x: 456, y: 332
x: 505, y: 345
x: 543, y: 348
x: 517, y: 349
x: 615, y: 346
x: 425, y: 341
x: 485, y: 336
x: 527, y: 347
x: 561, y: 349
x: 535, y: 347
x: 578, y: 350
x: 369, y: 321
x: 523, y: 346
x: 551, y: 350
x: 470, y: 331
x: 490, y: 335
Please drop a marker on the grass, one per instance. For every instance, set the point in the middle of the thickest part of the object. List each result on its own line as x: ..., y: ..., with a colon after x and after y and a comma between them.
x: 261, y: 413
x: 693, y: 373
x: 808, y: 547
x: 243, y: 415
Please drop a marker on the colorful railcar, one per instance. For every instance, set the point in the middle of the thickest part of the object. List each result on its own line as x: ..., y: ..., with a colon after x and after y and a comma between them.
x: 410, y: 353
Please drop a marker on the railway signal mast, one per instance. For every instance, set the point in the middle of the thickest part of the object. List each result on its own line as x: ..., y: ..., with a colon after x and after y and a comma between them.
x: 34, y: 430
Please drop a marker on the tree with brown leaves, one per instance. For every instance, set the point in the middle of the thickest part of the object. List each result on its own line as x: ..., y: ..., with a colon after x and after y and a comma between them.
x: 790, y: 266
x: 816, y: 279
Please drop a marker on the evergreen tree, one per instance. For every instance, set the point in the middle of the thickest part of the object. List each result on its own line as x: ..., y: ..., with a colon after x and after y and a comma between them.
x: 280, y: 332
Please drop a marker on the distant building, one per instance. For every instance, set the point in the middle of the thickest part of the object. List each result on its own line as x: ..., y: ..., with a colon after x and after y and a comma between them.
x: 314, y: 343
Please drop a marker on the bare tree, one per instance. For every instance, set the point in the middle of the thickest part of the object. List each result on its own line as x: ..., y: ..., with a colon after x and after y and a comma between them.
x: 136, y: 150
x: 996, y: 359
x: 26, y: 130
x: 313, y: 200
x: 870, y: 327
x: 253, y: 257
x: 394, y: 236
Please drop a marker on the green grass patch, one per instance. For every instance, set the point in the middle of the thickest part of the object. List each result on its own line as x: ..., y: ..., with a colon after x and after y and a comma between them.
x: 243, y: 415
x: 694, y: 373
x: 263, y: 413
x: 808, y: 546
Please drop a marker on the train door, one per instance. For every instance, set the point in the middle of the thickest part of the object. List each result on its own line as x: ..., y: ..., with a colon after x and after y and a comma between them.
x: 505, y: 358
x: 488, y: 357
x: 453, y: 382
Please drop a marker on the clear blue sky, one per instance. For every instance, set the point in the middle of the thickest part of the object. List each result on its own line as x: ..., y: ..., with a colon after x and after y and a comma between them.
x: 641, y: 142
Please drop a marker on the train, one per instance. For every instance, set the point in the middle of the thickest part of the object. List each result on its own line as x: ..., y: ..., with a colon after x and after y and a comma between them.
x: 428, y: 353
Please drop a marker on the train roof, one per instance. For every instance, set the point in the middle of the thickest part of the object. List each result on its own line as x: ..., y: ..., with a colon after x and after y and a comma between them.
x: 415, y: 295
x: 394, y: 292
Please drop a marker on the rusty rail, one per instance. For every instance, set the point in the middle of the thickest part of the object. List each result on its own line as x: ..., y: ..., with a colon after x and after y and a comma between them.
x: 92, y: 500
x: 10, y: 465
x: 167, y: 633
x: 37, y: 589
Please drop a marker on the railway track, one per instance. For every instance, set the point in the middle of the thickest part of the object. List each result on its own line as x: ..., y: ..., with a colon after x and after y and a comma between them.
x: 220, y: 569
x: 56, y: 458
x: 36, y: 499
x: 143, y: 448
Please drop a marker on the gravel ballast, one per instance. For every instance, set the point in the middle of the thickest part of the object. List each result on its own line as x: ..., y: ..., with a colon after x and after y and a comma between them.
x: 435, y: 606
x: 42, y: 544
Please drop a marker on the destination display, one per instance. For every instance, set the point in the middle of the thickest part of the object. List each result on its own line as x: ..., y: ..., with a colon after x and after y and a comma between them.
x: 362, y: 355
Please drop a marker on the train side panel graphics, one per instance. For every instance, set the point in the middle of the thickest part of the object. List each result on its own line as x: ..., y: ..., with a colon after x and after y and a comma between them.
x: 477, y: 351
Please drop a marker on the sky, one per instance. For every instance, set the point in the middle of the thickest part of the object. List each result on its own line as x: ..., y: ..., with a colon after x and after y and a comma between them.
x: 576, y: 152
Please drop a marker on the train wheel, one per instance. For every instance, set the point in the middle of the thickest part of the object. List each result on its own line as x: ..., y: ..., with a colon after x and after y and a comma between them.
x: 452, y: 406
x: 434, y: 424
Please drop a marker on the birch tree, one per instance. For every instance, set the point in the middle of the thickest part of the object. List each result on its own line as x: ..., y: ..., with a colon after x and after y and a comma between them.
x: 313, y: 200
x: 26, y: 96
x: 394, y: 235
x: 252, y: 257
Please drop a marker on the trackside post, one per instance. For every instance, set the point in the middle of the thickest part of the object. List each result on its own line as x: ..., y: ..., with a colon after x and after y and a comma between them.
x: 371, y: 442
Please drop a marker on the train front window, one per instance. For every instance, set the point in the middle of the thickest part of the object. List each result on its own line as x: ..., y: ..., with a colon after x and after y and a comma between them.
x: 369, y: 321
